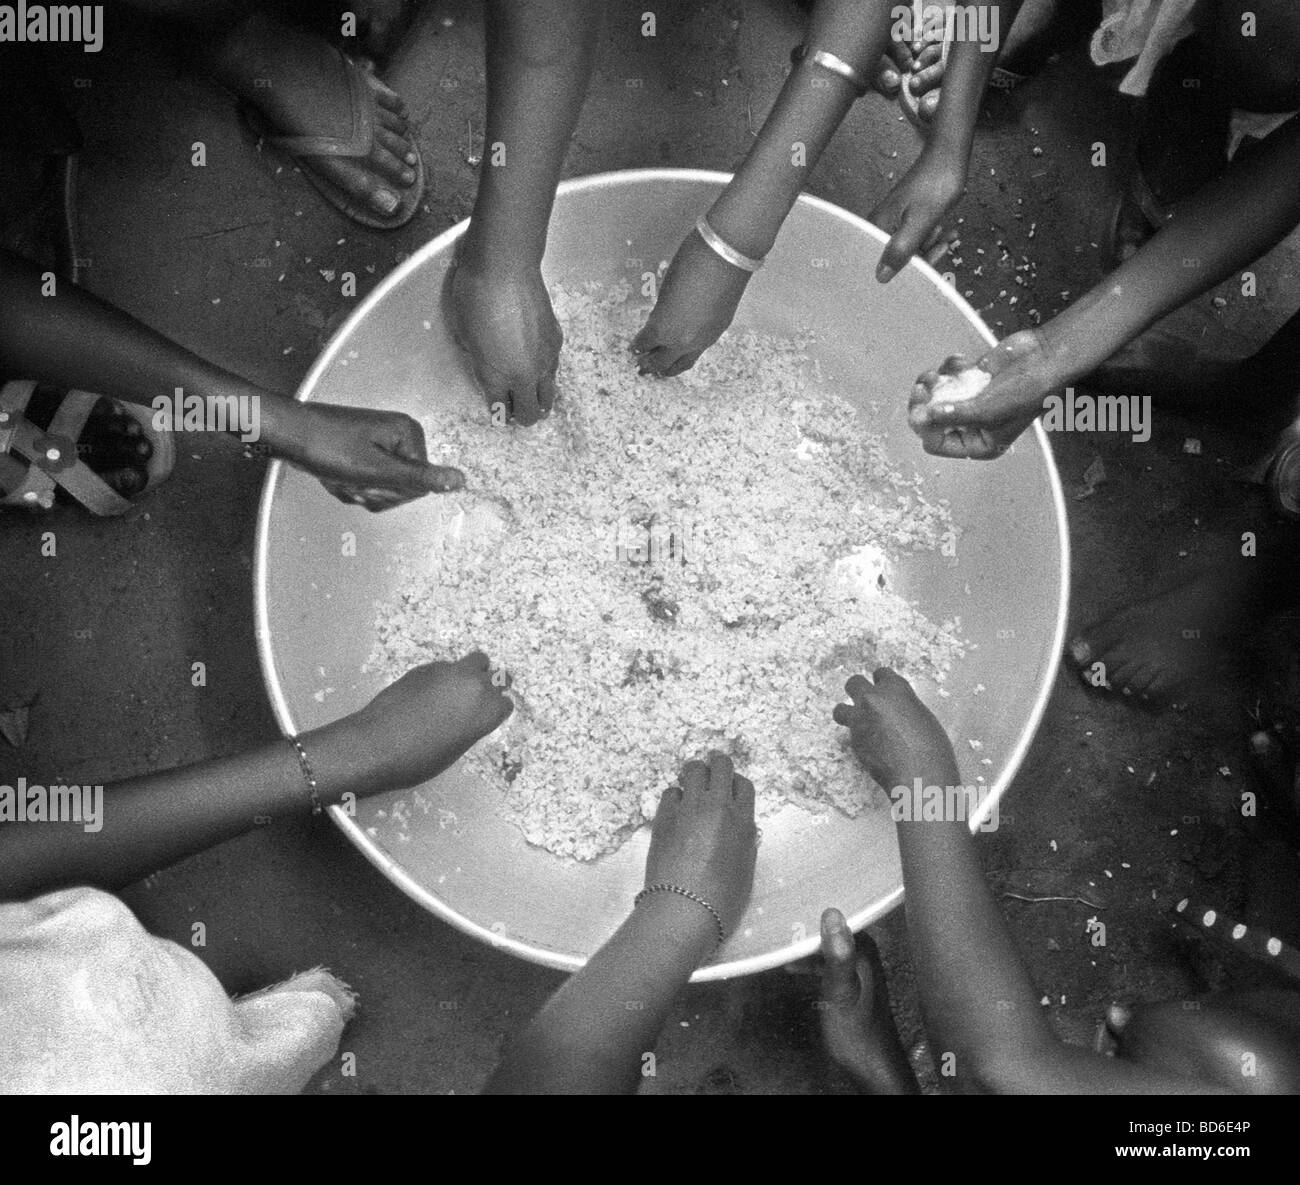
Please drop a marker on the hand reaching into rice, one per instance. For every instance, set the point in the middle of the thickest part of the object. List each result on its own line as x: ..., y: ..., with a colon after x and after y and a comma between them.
x: 704, y: 839
x: 690, y: 564
x: 591, y: 1037
x: 417, y: 727
x: 697, y: 301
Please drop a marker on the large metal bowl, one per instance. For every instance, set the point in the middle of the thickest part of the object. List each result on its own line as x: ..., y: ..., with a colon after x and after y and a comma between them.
x: 315, y: 604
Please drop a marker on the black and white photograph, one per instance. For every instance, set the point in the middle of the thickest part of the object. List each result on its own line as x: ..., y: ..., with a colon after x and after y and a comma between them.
x: 699, y: 547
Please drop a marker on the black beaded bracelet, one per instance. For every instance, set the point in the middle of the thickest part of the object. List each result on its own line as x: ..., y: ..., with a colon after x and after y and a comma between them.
x: 316, y: 805
x: 665, y: 887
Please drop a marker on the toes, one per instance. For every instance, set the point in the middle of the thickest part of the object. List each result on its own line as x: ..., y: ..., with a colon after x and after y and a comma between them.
x: 358, y: 183
x: 389, y: 164
x: 388, y: 98
x: 126, y: 482
x: 400, y: 147
x: 390, y: 121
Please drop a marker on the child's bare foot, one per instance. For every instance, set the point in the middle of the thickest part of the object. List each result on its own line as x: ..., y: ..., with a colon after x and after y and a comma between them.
x: 112, y: 443
x: 854, y: 1009
x: 301, y: 86
x: 1160, y: 645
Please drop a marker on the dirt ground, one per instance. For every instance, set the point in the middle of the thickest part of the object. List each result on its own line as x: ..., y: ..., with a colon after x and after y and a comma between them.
x: 1116, y: 814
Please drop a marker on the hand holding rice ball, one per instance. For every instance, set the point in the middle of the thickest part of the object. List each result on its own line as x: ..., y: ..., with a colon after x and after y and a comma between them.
x: 977, y: 410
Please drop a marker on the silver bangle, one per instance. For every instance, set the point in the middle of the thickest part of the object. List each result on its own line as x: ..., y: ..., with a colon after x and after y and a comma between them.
x: 724, y: 249
x: 836, y: 65
x: 665, y: 887
x: 316, y: 806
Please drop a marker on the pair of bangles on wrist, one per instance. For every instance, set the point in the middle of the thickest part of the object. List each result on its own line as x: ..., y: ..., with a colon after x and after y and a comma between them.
x: 818, y: 57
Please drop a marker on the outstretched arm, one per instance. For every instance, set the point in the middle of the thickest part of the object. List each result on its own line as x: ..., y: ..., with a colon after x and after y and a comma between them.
x: 1224, y: 226
x: 978, y: 1002
x: 409, y: 733
x: 70, y: 337
x: 593, y: 1035
x: 539, y: 61
x: 701, y: 291
x: 912, y: 212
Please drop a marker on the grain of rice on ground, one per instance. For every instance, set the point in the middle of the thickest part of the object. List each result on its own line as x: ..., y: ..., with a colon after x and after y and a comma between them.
x: 672, y: 577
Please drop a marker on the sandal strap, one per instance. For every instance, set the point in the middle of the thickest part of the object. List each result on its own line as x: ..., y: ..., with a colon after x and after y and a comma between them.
x: 73, y: 411
x: 15, y: 395
x: 362, y: 102
x: 23, y: 438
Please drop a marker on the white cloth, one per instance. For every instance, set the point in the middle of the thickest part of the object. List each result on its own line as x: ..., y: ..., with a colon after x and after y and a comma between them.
x: 91, y: 1003
x: 1147, y: 30
x: 1143, y: 29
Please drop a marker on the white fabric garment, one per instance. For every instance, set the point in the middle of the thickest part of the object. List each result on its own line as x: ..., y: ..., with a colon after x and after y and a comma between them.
x: 91, y: 1003
x: 1148, y: 30
x: 1143, y: 29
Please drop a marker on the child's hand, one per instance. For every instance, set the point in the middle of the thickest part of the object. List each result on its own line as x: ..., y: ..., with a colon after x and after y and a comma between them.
x: 704, y: 838
x: 856, y: 1021
x: 913, y: 212
x: 417, y: 727
x: 373, y: 458
x: 986, y: 426
x: 893, y: 733
x: 503, y: 318
x: 696, y: 303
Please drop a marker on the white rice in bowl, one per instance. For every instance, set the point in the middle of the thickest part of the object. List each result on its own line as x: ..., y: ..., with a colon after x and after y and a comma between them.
x: 676, y: 565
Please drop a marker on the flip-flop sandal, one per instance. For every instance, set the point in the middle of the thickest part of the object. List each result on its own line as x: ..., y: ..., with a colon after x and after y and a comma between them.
x: 35, y: 462
x: 357, y: 146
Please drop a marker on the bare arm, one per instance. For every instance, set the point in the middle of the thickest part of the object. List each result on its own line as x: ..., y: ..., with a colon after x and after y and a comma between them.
x: 539, y: 60
x: 1222, y: 228
x: 72, y: 338
x: 912, y: 213
x: 979, y: 1005
x: 410, y: 732
x: 812, y: 104
x: 592, y: 1035
x: 595, y: 1033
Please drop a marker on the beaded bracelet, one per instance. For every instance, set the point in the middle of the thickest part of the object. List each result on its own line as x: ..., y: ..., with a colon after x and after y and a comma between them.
x: 665, y: 887
x: 316, y: 806
x: 724, y: 249
x: 828, y: 61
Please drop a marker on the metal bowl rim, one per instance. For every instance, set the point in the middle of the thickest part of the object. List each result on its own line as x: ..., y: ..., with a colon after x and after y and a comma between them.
x: 390, y: 867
